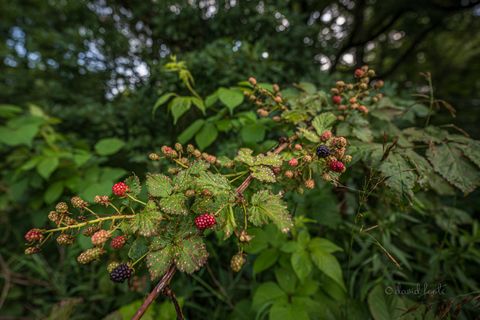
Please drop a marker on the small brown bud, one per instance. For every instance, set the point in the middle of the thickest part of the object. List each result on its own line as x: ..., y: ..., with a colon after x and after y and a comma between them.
x: 277, y: 118
x: 154, y: 156
x: 244, y: 236
x: 276, y: 88
x: 262, y: 113
x: 289, y: 174
x: 310, y: 184
x: 278, y: 99
x: 61, y: 207
x: 252, y: 81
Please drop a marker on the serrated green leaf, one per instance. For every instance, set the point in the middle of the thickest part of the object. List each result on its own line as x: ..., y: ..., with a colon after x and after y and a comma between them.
x: 328, y: 264
x: 174, y: 204
x: 385, y: 307
x: 190, y: 131
x: 269, y: 159
x: 362, y: 133
x: 265, y: 260
x: 230, y: 98
x: 449, y: 162
x: 323, y: 122
x: 108, y: 146
x: 179, y: 106
x: 324, y: 245
x: 206, y: 136
x: 266, y: 206
x: 190, y: 254
x: 263, y: 173
x: 471, y: 150
x: 213, y: 182
x: 398, y: 173
x: 286, y: 279
x: 134, y: 185
x: 197, y: 167
x: 199, y: 104
x: 266, y: 293
x: 253, y: 133
x: 159, y: 261
x: 138, y: 248
x: 162, y: 100
x: 54, y: 191
x: 309, y: 135
x: 301, y: 264
x: 245, y: 155
x: 47, y: 166
x: 211, y: 99
x: 145, y: 223
x: 159, y: 185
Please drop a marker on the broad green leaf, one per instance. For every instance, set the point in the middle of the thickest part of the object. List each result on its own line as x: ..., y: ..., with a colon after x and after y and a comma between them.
x: 206, y: 136
x: 384, y: 307
x: 213, y: 182
x: 54, y: 191
x: 286, y: 279
x: 199, y: 104
x: 449, y: 162
x: 190, y: 254
x: 145, y: 223
x: 269, y: 159
x: 328, y: 264
x: 245, y: 155
x: 471, y: 150
x: 138, y: 248
x: 323, y: 245
x: 108, y: 146
x: 190, y: 131
x: 17, y: 136
x: 263, y: 173
x: 179, y: 106
x: 80, y: 157
x: 159, y: 185
x: 266, y: 206
x: 47, y: 166
x: 253, y: 133
x: 162, y: 100
x: 307, y: 87
x: 301, y: 264
x: 266, y: 293
x: 265, y: 260
x: 174, y: 204
x: 399, y: 175
x: 230, y: 98
x: 159, y: 261
x: 323, y: 122
x: 134, y: 185
x: 211, y: 99
x: 287, y: 311
x: 362, y: 133
x: 309, y: 135
x: 8, y: 110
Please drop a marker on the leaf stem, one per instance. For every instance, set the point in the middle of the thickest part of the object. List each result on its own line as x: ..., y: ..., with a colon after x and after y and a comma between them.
x: 136, y: 200
x: 82, y: 224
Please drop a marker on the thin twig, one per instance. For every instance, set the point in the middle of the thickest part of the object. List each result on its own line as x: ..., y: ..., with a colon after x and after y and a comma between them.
x: 169, y: 293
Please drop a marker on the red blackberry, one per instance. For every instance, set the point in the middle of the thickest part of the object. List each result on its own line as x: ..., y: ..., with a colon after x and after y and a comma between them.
x: 121, y: 273
x: 337, y: 166
x: 118, y: 242
x: 205, y: 221
x: 34, y: 235
x: 119, y: 189
x: 293, y: 162
x: 336, y: 99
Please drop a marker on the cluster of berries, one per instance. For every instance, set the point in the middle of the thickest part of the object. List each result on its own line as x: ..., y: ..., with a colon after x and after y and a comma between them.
x: 331, y: 150
x: 181, y: 156
x: 351, y: 95
x: 265, y: 100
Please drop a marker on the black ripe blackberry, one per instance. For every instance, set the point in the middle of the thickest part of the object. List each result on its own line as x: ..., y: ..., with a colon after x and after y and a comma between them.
x: 121, y: 273
x: 323, y: 151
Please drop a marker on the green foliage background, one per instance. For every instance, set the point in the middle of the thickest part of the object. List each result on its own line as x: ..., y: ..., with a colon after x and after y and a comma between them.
x: 78, y: 80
